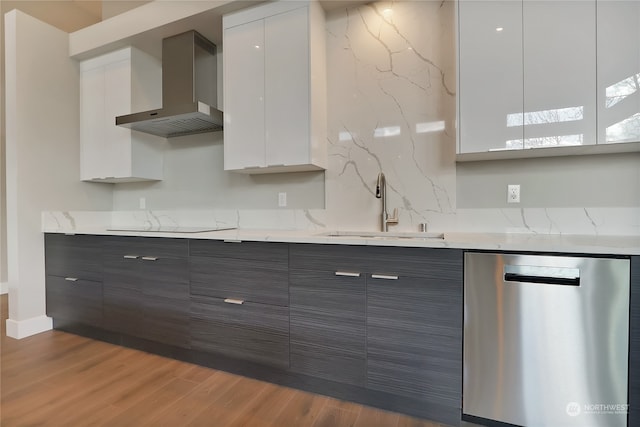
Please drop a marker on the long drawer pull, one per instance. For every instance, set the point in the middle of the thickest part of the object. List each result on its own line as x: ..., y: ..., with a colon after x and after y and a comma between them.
x: 150, y: 258
x: 347, y: 274
x: 131, y: 257
x: 234, y: 301
x: 232, y: 241
x: 71, y: 279
x: 384, y: 276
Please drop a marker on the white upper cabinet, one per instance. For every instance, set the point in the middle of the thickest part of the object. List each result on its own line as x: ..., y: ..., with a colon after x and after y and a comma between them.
x: 275, y: 88
x: 111, y: 85
x: 527, y: 76
x: 618, y: 71
x: 490, y: 75
x: 244, y: 106
x: 559, y: 73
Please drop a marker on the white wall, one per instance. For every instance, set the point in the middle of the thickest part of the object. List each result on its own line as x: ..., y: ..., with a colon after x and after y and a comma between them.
x: 42, y: 158
x: 67, y: 15
x: 601, y: 181
x: 4, y: 288
x: 194, y: 178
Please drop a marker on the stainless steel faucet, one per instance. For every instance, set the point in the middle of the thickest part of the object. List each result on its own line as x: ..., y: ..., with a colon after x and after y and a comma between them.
x: 381, y: 193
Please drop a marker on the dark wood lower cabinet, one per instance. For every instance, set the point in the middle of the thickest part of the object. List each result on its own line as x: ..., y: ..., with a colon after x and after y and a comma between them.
x: 122, y: 295
x: 248, y: 331
x: 73, y: 265
x: 146, y: 289
x: 72, y: 300
x: 414, y: 339
x: 328, y: 325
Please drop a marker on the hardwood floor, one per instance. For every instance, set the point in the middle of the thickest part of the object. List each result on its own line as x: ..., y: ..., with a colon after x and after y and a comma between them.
x: 60, y: 379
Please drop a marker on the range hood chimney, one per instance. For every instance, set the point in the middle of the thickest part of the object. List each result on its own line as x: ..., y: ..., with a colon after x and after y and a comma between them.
x: 189, y: 90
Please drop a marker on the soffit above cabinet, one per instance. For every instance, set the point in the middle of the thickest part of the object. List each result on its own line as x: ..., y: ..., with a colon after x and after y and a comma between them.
x: 145, y: 26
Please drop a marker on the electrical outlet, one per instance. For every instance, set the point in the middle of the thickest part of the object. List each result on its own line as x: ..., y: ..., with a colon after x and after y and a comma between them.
x: 142, y: 204
x: 282, y: 200
x: 513, y: 193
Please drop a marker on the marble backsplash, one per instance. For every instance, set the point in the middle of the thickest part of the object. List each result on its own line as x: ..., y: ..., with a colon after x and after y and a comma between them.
x: 567, y: 221
x: 391, y: 109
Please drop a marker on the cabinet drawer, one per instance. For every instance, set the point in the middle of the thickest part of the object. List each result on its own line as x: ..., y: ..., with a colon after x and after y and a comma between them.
x: 275, y: 253
x: 77, y: 301
x: 159, y: 247
x: 252, y: 281
x: 139, y: 273
x: 416, y: 262
x: 255, y: 332
x: 77, y: 256
x: 329, y: 258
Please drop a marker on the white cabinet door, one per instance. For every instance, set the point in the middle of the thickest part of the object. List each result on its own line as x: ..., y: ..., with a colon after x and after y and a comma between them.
x: 618, y: 71
x: 117, y: 102
x: 92, y: 138
x: 111, y: 153
x: 287, y: 120
x: 559, y: 39
x: 244, y: 93
x: 270, y: 125
x: 490, y: 76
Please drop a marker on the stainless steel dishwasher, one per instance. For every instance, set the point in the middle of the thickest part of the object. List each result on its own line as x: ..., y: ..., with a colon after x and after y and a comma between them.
x: 546, y: 340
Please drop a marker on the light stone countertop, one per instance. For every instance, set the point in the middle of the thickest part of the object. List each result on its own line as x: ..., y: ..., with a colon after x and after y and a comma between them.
x: 562, y: 243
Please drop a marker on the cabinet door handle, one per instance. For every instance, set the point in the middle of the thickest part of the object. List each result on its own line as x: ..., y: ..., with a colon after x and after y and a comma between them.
x: 150, y: 258
x: 347, y: 274
x: 234, y: 301
x: 384, y: 276
x: 232, y: 241
x: 252, y: 167
x: 130, y: 257
x: 71, y: 279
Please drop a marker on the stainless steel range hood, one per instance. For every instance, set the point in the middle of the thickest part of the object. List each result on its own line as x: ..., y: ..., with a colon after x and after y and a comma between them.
x: 189, y: 90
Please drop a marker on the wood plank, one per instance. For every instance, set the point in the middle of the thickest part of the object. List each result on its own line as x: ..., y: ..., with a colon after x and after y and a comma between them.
x: 332, y: 416
x: 377, y: 418
x: 265, y: 409
x: 145, y: 409
x: 184, y: 411
x: 405, y: 421
x: 229, y: 405
x: 302, y: 410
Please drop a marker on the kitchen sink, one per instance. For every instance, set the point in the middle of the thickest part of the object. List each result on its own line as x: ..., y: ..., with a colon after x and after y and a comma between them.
x: 384, y: 235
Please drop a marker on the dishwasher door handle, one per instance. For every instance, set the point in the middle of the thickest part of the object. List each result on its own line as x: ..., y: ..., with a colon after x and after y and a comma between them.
x: 564, y: 276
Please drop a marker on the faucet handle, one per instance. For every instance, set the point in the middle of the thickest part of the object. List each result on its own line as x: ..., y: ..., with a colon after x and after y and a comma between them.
x: 394, y: 218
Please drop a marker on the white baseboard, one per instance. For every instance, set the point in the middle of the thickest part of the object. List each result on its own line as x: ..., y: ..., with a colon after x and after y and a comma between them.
x: 4, y: 288
x: 26, y: 328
